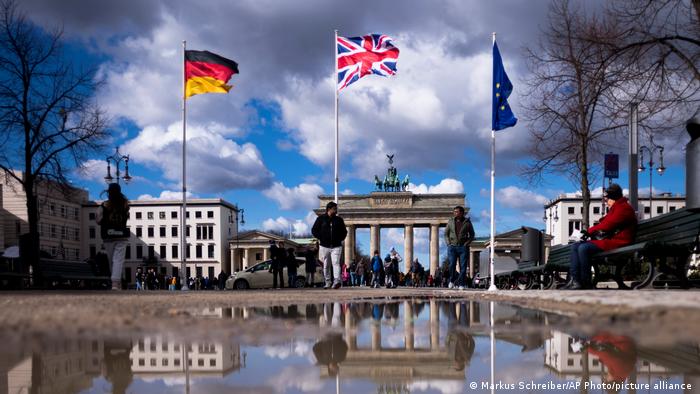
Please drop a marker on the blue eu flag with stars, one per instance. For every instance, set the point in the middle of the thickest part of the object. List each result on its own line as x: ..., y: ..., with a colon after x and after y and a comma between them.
x: 501, y: 115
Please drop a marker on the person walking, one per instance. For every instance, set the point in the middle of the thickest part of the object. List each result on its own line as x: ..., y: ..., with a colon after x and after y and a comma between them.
x: 279, y: 260
x: 330, y: 230
x: 360, y: 272
x: 376, y: 269
x: 310, y: 265
x: 351, y: 271
x: 291, y: 268
x: 112, y: 219
x: 459, y: 234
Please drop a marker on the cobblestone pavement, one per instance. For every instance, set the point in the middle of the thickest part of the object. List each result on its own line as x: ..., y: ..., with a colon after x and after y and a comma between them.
x: 71, y: 312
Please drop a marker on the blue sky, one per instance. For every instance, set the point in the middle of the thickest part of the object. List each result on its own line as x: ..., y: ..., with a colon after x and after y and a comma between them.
x: 268, y: 144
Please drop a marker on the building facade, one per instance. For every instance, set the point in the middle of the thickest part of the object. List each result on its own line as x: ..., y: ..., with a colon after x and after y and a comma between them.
x: 564, y: 215
x: 59, y: 217
x: 155, y: 236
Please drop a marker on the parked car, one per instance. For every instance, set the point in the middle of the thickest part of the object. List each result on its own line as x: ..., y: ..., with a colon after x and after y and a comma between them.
x: 260, y: 277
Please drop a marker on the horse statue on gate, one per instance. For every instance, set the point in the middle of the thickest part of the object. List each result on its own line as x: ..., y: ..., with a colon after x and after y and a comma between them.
x: 397, y: 183
x: 404, y: 184
x: 387, y: 185
x: 377, y: 183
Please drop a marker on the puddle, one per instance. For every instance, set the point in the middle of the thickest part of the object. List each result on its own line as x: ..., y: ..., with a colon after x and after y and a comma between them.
x: 390, y: 346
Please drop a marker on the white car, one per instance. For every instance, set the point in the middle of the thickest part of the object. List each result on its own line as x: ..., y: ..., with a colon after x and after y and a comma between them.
x: 260, y: 277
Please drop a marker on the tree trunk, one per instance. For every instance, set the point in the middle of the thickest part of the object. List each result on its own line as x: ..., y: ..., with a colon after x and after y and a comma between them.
x: 585, y: 189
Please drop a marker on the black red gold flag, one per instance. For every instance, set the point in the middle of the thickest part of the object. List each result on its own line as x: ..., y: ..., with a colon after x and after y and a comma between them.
x: 207, y: 72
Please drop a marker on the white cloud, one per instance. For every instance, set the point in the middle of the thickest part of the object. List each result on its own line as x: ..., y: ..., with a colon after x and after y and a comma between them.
x: 304, y: 378
x: 517, y: 198
x: 214, y: 162
x: 447, y: 185
x: 169, y: 195
x: 443, y: 386
x: 297, y: 226
x: 92, y: 170
x: 303, y: 196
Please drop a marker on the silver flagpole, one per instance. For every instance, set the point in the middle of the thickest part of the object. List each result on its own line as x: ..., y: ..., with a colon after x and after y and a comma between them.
x: 183, y: 212
x: 335, y: 87
x: 492, y: 286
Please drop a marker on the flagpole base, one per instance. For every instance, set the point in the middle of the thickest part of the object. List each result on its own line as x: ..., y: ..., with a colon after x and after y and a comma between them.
x: 184, y: 288
x: 493, y: 288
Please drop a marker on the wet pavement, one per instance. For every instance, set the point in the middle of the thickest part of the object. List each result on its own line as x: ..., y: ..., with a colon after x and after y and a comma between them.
x: 350, y: 342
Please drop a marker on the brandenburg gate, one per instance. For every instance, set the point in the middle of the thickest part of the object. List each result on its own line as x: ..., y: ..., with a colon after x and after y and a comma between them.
x: 402, y: 209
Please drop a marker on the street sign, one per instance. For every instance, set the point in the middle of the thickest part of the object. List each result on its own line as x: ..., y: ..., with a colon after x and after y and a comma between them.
x: 612, y: 165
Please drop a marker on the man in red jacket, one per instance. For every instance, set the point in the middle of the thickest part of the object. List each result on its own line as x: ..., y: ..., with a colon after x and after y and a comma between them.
x: 618, y: 226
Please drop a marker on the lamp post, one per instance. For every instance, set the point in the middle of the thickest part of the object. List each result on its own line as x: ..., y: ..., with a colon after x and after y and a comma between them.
x: 117, y: 158
x: 239, y: 219
x: 660, y: 169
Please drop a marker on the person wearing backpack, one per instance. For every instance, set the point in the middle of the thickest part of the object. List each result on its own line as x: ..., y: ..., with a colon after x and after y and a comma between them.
x: 112, y: 218
x: 376, y: 269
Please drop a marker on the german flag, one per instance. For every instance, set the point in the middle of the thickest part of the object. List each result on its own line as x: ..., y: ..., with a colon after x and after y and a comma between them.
x: 207, y: 72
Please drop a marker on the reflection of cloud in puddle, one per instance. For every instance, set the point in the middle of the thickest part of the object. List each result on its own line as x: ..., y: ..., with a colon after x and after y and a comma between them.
x: 169, y: 381
x: 443, y: 386
x: 395, y: 339
x: 305, y: 378
x: 520, y: 371
x: 285, y: 351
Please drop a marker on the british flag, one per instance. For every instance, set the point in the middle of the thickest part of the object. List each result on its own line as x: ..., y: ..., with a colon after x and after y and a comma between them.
x: 360, y: 56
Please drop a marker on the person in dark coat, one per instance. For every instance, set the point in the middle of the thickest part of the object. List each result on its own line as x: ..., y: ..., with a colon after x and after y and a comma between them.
x: 279, y: 260
x: 330, y: 231
x: 291, y: 268
x: 618, y: 228
x: 310, y: 265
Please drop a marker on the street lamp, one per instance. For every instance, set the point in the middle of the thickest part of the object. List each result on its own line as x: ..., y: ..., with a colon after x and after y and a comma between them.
x: 117, y: 158
x: 239, y: 219
x: 660, y: 169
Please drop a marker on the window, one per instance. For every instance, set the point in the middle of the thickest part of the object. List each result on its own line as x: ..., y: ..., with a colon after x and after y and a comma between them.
x: 139, y: 232
x: 149, y: 215
x: 162, y: 231
x: 210, y: 251
x: 138, y: 215
x: 200, y: 362
x: 93, y: 250
x: 212, y: 362
x: 173, y: 215
x: 127, y: 254
x: 76, y: 234
x: 173, y: 252
x: 92, y: 216
x: 671, y: 209
x: 596, y: 210
x: 151, y: 251
x: 142, y: 346
x: 570, y: 362
x: 647, y: 210
x: 161, y: 215
x: 76, y: 213
x: 205, y: 231
x: 197, y: 214
x: 199, y: 232
x: 63, y: 211
x: 64, y: 232
x: 53, y: 231
x: 187, y: 231
x: 151, y: 232
x: 173, y: 231
x: 176, y: 362
x: 574, y: 225
x: 162, y: 251
x: 659, y: 209
x: 93, y: 233
x: 571, y: 210
x: 153, y: 362
x: 187, y: 214
x: 210, y: 214
x: 139, y: 251
x: 176, y: 348
x: 188, y: 252
x: 52, y: 209
x: 142, y: 362
x: 165, y: 362
x: 258, y: 256
x: 198, y: 251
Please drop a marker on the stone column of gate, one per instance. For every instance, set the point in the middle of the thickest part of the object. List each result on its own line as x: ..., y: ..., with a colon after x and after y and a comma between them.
x: 408, y: 331
x: 350, y: 330
x: 246, y: 258
x: 434, y: 248
x: 434, y: 325
x: 233, y: 261
x: 473, y: 261
x: 376, y: 326
x: 408, y: 246
x: 374, y: 232
x: 349, y: 245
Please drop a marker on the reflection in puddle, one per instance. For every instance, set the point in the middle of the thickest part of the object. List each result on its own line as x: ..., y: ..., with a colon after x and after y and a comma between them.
x: 398, y: 346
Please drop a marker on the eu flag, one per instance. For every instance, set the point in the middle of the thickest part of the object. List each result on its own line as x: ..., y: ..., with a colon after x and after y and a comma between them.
x: 501, y: 115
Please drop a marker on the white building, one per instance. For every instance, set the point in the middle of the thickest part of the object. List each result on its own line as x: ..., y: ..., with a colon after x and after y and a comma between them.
x: 157, y: 356
x: 59, y: 216
x: 155, y: 236
x: 565, y: 214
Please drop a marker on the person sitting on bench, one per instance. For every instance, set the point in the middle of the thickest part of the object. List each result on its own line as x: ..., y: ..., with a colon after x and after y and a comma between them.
x: 617, y: 228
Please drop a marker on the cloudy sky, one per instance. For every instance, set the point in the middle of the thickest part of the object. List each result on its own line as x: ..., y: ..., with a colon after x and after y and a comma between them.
x: 268, y: 144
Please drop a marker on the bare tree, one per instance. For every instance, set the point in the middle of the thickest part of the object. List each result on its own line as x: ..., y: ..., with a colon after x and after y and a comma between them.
x: 584, y: 74
x: 48, y: 118
x: 569, y: 101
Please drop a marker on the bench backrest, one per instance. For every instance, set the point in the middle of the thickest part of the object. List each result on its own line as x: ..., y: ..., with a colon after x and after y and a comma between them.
x: 677, y: 227
x: 559, y: 256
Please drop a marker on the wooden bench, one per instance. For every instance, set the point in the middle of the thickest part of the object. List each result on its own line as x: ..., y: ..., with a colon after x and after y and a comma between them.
x: 60, y: 273
x: 662, y: 246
